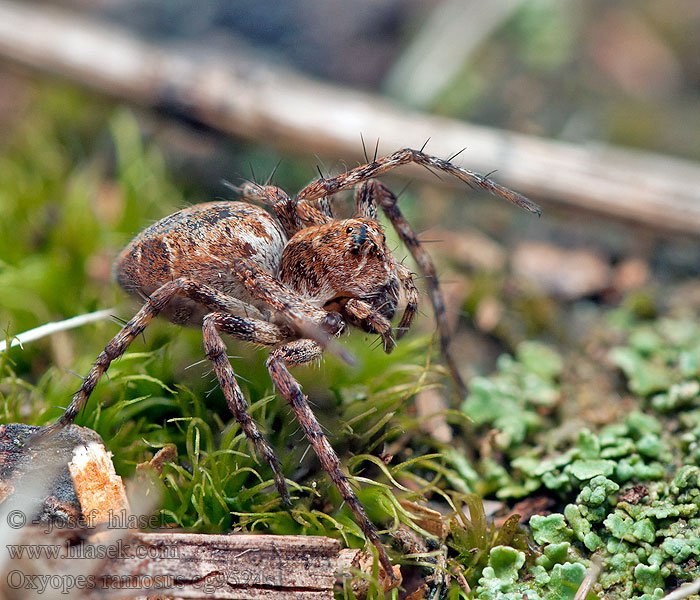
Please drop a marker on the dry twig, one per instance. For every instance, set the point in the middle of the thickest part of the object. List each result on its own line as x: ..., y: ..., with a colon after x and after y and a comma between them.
x: 685, y: 591
x: 55, y: 326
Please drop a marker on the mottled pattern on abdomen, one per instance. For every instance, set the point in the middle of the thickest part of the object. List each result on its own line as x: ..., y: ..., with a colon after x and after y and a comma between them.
x: 200, y: 243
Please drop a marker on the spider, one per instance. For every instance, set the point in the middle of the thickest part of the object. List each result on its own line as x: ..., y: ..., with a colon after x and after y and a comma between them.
x: 291, y: 279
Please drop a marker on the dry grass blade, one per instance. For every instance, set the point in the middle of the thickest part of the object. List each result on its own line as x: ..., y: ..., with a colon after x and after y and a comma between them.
x: 589, y: 580
x: 55, y: 326
x: 685, y: 591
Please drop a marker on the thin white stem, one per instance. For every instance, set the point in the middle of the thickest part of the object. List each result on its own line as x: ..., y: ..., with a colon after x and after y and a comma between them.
x: 591, y: 577
x: 685, y: 591
x: 55, y: 326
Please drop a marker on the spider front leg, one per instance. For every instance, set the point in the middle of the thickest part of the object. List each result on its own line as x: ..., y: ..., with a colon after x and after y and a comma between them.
x: 374, y: 192
x: 258, y: 332
x: 277, y: 199
x: 296, y: 353
x: 411, y: 291
x: 292, y: 216
x: 328, y: 186
x: 307, y: 320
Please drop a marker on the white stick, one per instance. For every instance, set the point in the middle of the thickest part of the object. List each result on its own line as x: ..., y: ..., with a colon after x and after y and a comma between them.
x: 685, y: 591
x: 55, y: 326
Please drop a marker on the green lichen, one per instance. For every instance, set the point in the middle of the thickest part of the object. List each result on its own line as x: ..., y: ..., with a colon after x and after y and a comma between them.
x: 503, y: 578
x: 510, y: 400
x: 662, y: 359
x: 648, y: 578
x: 551, y: 529
x: 635, y: 482
x: 647, y: 535
x: 627, y: 443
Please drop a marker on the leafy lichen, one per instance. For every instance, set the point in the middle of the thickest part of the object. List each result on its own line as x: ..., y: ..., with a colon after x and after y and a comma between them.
x: 634, y: 482
x: 502, y: 578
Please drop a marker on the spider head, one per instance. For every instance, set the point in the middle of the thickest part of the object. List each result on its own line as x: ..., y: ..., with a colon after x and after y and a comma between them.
x: 369, y: 265
x: 341, y: 261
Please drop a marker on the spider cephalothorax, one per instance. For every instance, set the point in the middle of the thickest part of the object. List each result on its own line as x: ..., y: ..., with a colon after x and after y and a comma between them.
x: 290, y: 280
x: 346, y: 267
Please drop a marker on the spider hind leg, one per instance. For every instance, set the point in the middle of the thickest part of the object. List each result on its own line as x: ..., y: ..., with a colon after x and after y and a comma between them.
x: 155, y: 304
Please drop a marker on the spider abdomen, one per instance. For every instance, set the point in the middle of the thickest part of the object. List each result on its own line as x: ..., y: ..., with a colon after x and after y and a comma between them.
x: 200, y: 243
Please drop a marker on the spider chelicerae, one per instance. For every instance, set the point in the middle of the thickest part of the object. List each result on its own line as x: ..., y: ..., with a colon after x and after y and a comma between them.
x: 292, y: 279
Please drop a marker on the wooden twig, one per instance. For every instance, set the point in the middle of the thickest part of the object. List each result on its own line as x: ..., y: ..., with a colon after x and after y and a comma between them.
x: 182, y: 565
x: 242, y: 566
x: 250, y: 98
x: 67, y: 527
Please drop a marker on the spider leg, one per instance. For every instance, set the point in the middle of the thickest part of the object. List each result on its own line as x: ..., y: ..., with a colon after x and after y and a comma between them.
x: 296, y: 353
x: 250, y: 330
x: 310, y: 215
x: 155, y: 303
x: 365, y: 206
x: 387, y: 201
x: 324, y: 206
x: 294, y: 311
x: 326, y: 187
x: 277, y: 199
x: 316, y: 211
x: 406, y: 278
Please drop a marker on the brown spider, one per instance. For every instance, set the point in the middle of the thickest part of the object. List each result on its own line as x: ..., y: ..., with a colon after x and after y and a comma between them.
x: 291, y: 280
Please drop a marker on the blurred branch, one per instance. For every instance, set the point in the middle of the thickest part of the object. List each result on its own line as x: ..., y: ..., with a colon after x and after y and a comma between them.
x: 247, y: 97
x: 54, y: 327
